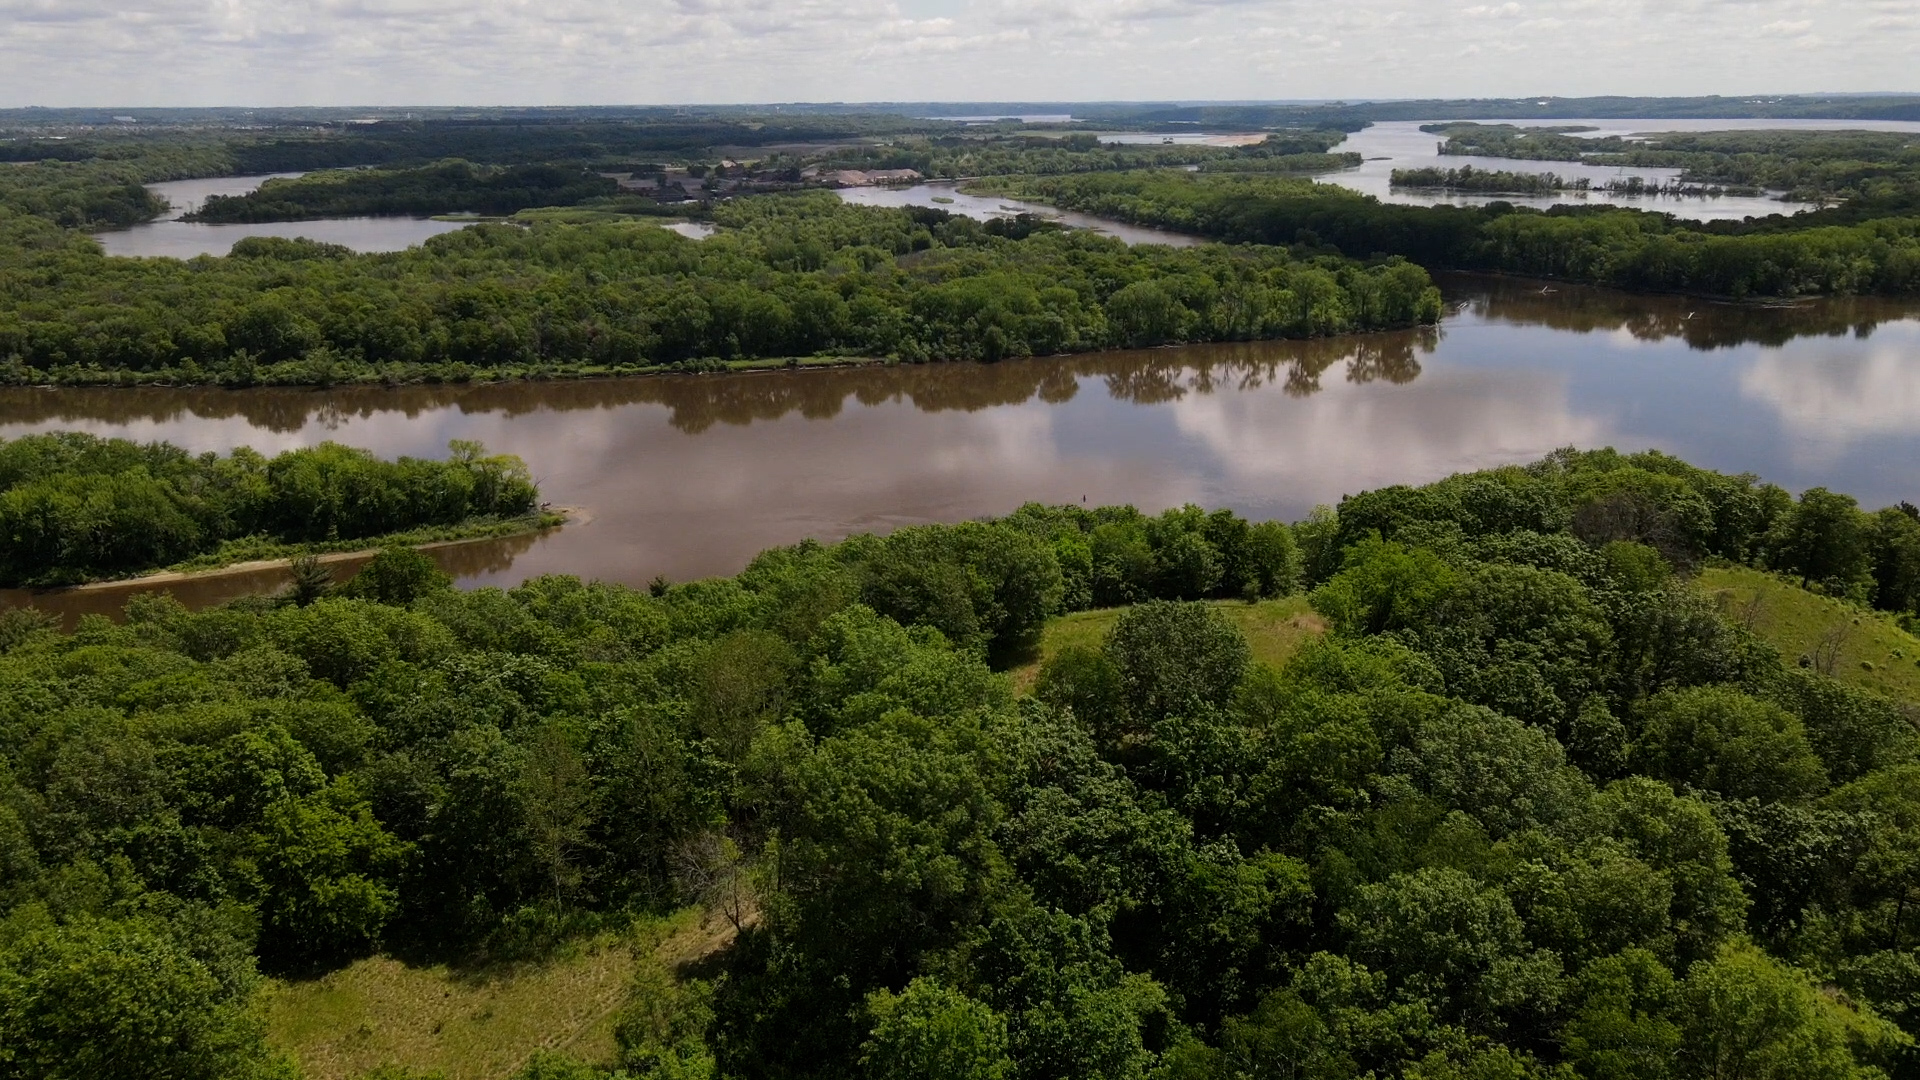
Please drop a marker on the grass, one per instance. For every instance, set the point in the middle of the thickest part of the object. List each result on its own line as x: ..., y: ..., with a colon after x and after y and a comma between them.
x: 1873, y: 652
x: 475, y: 1025
x: 1275, y: 629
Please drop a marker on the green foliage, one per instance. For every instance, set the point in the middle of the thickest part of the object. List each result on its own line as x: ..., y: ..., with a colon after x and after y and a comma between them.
x: 1175, y: 658
x: 1720, y: 739
x: 1534, y: 809
x: 116, y: 999
x: 74, y: 507
x: 931, y: 1031
x: 1866, y: 252
x: 1807, y: 165
x: 397, y: 576
x: 1748, y: 1015
x: 444, y: 188
x: 786, y: 276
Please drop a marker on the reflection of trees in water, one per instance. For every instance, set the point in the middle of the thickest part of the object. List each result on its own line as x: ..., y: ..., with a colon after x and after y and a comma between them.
x: 463, y: 560
x: 697, y: 403
x: 477, y: 557
x: 1702, y: 324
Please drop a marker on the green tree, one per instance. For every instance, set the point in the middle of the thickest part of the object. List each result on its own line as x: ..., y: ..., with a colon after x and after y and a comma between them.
x: 398, y: 576
x: 1722, y: 740
x: 1825, y: 539
x: 1175, y: 657
x: 1747, y: 1016
x: 120, y: 1001
x: 933, y: 1032
x: 328, y: 872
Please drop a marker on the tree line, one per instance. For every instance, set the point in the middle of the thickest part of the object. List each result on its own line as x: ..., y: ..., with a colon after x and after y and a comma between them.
x: 785, y: 277
x: 1841, y: 252
x: 442, y: 188
x: 958, y: 156
x: 74, y: 507
x: 1493, y: 181
x: 1531, y: 808
x: 1806, y: 166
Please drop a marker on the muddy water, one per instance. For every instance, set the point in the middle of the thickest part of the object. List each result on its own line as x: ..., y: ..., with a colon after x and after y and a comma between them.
x: 688, y: 476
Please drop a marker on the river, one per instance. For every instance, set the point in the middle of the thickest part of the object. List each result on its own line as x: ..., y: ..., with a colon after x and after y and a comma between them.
x: 689, y: 476
x: 1400, y: 144
x: 947, y: 196
x: 173, y: 238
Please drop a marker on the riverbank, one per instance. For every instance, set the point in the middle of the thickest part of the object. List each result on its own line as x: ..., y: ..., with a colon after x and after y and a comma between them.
x: 253, y: 555
x: 299, y: 374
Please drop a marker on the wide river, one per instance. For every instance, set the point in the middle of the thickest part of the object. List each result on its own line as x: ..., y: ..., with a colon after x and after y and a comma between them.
x: 687, y: 476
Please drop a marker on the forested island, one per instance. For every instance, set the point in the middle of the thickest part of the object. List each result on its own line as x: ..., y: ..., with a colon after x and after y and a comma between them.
x: 1476, y: 779
x: 1494, y: 181
x: 1804, y: 165
x: 787, y: 277
x: 76, y: 508
x: 1850, y: 249
x: 577, y: 286
x: 447, y: 187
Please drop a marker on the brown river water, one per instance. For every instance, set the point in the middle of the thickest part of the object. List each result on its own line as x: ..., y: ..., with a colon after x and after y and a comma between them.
x: 689, y: 476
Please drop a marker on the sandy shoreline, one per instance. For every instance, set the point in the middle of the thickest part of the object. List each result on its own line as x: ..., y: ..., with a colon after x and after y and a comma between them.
x: 573, y: 515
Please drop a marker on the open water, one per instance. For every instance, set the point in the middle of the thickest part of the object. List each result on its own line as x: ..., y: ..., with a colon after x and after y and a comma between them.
x: 689, y: 476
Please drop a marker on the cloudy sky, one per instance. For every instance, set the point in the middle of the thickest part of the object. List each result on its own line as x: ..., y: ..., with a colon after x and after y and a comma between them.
x: 347, y: 52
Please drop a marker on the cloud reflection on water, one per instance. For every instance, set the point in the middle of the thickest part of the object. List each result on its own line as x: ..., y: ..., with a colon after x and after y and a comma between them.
x: 690, y: 476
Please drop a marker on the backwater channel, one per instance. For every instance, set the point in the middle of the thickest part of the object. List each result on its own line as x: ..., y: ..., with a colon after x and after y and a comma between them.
x: 689, y: 476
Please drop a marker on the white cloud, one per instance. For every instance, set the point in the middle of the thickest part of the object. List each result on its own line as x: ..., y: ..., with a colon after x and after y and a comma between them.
x: 1833, y: 403
x: 272, y: 52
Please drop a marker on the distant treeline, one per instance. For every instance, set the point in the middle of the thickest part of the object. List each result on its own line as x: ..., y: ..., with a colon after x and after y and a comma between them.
x: 1804, y: 255
x: 74, y: 507
x: 951, y: 157
x: 1468, y: 178
x: 785, y: 277
x: 100, y: 190
x: 1805, y: 165
x: 506, y: 140
x: 442, y: 188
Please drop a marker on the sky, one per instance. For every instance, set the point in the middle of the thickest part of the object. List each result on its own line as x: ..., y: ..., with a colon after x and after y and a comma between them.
x: 144, y: 53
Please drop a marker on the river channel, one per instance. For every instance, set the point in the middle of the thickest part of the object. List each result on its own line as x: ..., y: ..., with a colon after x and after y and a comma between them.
x: 173, y: 238
x: 689, y: 476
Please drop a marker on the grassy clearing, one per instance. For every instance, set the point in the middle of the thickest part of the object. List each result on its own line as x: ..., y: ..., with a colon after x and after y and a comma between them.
x: 1274, y: 629
x: 476, y: 1025
x: 1873, y: 651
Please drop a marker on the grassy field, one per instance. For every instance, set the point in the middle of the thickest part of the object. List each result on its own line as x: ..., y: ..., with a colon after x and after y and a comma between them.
x: 1274, y: 629
x: 474, y: 1025
x: 1873, y: 651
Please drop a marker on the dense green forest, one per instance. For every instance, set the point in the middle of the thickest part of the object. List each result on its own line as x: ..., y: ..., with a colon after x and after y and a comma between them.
x: 103, y: 191
x: 1807, y: 166
x: 1531, y: 808
x: 785, y: 277
x: 446, y: 187
x: 1808, y: 254
x: 955, y: 157
x: 457, y: 186
x: 74, y: 507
